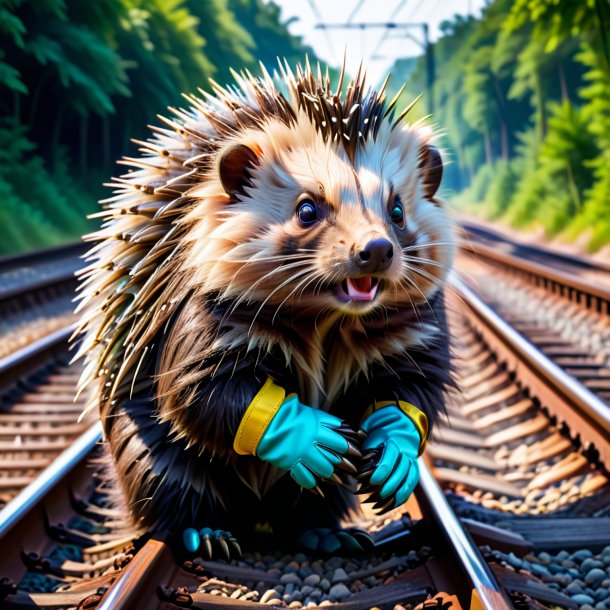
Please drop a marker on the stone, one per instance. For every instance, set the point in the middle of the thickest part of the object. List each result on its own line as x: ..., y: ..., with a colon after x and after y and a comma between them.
x: 581, y: 599
x: 513, y: 560
x: 544, y: 558
x: 325, y: 584
x: 590, y: 563
x: 573, y: 589
x: 581, y: 555
x: 594, y: 576
x: 539, y: 570
x: 290, y: 577
x: 601, y: 594
x: 312, y: 580
x: 334, y: 562
x: 339, y: 592
x: 340, y: 575
x: 267, y: 595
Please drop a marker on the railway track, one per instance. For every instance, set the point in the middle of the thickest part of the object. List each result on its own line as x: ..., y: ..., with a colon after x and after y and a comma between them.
x: 566, y: 314
x: 36, y: 292
x: 477, y: 233
x: 511, y: 512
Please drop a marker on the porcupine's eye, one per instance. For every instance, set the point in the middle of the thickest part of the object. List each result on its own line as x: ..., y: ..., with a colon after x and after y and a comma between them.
x: 397, y: 212
x: 306, y: 212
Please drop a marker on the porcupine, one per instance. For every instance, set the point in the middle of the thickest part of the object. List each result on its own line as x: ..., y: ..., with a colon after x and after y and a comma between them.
x: 294, y: 237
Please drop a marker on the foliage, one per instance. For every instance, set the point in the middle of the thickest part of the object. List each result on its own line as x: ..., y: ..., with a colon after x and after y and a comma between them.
x: 80, y: 78
x: 38, y: 208
x: 523, y: 95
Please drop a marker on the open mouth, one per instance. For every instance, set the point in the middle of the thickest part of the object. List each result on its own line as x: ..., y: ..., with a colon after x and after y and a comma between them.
x: 358, y: 288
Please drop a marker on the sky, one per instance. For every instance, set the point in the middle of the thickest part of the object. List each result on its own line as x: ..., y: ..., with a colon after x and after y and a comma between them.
x: 378, y: 47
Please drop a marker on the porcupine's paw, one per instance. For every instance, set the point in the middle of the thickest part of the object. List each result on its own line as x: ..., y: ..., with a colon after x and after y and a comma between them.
x: 345, y: 465
x: 388, y: 477
x: 210, y: 544
x: 325, y: 540
x: 314, y: 446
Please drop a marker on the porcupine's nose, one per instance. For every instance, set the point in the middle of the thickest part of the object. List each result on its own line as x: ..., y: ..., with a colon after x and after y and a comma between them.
x: 375, y: 256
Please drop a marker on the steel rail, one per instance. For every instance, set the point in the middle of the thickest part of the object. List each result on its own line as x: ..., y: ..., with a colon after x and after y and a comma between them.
x: 563, y: 278
x: 491, y: 595
x: 20, y: 506
x: 59, y: 337
x: 12, y: 367
x: 18, y: 260
x: 475, y: 231
x: 70, y: 252
x: 556, y: 388
x: 28, y: 359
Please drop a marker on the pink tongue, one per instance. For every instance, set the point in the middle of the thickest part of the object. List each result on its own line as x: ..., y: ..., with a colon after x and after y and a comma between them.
x: 361, y: 288
x: 362, y: 284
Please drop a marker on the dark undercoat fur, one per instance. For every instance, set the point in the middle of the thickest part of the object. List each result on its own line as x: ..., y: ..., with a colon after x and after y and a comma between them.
x: 157, y: 470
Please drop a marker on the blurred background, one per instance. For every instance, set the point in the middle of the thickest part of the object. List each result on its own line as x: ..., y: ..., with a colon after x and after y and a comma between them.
x: 519, y: 89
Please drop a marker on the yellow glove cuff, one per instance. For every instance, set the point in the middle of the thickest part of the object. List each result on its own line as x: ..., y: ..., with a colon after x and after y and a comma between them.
x: 419, y: 419
x: 257, y: 417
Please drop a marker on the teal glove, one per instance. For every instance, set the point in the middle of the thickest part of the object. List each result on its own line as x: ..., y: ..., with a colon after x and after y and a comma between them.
x: 391, y: 432
x: 304, y: 441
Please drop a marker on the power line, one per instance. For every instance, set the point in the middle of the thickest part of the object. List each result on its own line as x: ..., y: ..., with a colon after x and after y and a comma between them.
x: 356, y: 9
x: 404, y: 29
x: 383, y: 38
x: 318, y: 16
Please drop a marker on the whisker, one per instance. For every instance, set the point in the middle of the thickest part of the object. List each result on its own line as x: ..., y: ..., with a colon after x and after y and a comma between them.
x: 290, y: 279
x: 249, y: 292
x: 426, y: 244
x: 305, y: 281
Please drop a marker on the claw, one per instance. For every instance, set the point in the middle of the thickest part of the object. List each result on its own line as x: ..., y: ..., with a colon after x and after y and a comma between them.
x: 361, y: 434
x: 349, y: 434
x: 353, y: 451
x: 375, y: 497
x: 365, y: 472
x: 236, y: 548
x: 382, y: 507
x: 370, y: 455
x: 224, y: 547
x: 207, y: 544
x: 347, y: 466
x: 317, y: 490
x: 335, y: 478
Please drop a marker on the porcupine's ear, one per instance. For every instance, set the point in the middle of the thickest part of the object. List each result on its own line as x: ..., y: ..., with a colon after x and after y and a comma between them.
x: 234, y: 168
x: 431, y: 166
